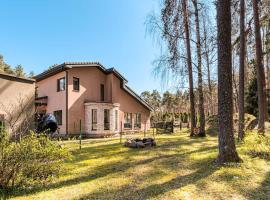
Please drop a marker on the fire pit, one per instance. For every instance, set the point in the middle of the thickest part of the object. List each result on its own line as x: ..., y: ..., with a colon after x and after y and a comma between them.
x: 140, y: 143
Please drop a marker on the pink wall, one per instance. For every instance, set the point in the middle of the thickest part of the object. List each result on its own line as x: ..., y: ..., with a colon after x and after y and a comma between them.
x: 129, y: 104
x: 90, y: 80
x: 56, y: 100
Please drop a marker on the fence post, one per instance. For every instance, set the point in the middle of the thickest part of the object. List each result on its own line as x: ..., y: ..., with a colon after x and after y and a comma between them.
x: 121, y: 133
x: 144, y: 129
x: 80, y: 134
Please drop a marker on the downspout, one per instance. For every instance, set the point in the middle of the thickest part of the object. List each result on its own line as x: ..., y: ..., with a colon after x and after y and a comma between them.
x: 66, y: 102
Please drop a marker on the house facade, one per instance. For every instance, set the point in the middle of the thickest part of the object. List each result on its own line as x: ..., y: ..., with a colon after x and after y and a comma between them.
x: 88, y: 97
x: 17, y: 96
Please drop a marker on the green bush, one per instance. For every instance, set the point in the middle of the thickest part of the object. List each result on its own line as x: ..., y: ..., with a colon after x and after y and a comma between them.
x: 30, y: 161
x: 257, y: 145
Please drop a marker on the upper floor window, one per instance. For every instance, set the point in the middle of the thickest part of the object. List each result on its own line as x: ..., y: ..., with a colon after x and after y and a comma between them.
x: 76, y: 84
x: 137, y: 120
x: 58, y: 116
x: 128, y: 120
x: 102, y: 96
x: 61, y: 84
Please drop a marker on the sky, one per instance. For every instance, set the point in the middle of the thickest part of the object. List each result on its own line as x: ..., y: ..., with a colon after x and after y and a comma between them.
x: 40, y: 33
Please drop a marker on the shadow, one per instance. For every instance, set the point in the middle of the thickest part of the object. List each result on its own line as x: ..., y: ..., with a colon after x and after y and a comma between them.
x: 204, y: 168
x: 262, y: 192
x: 126, y: 161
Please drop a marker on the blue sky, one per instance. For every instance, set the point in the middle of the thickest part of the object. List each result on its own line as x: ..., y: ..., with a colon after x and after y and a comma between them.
x: 40, y: 33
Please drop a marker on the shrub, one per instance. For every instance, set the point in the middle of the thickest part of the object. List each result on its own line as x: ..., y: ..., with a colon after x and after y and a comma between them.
x: 31, y: 160
x: 257, y: 145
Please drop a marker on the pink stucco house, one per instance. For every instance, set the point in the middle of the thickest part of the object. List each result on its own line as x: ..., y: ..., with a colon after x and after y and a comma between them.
x: 94, y: 95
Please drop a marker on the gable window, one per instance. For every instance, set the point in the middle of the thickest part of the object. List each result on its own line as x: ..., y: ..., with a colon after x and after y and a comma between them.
x: 58, y: 116
x: 128, y: 120
x: 106, y: 119
x: 94, y: 119
x: 102, y: 92
x: 137, y: 122
x: 61, y: 84
x: 76, y: 84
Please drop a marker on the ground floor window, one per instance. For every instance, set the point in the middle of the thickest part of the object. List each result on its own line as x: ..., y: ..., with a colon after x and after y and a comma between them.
x: 116, y: 120
x: 58, y: 116
x: 94, y: 119
x: 128, y: 120
x: 137, y: 120
x: 106, y: 119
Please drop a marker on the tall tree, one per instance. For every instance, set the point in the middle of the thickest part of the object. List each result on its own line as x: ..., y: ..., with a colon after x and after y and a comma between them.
x: 200, y: 81
x: 207, y: 60
x: 241, y: 97
x: 227, y: 149
x: 260, y: 68
x: 19, y: 71
x: 189, y: 63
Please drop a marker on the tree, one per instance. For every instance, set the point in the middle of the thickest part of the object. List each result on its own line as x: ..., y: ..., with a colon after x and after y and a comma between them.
x: 189, y: 63
x: 260, y: 68
x: 241, y: 97
x: 200, y: 81
x: 227, y: 149
x: 19, y: 71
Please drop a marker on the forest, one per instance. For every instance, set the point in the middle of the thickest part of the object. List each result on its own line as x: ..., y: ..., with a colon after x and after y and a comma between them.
x: 216, y: 66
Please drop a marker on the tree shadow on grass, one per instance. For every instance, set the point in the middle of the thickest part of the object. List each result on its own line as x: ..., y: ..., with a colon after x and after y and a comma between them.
x: 262, y: 192
x: 203, y: 168
x: 112, y: 167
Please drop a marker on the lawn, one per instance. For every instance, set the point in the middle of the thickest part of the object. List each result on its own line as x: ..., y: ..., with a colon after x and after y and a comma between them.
x: 178, y: 168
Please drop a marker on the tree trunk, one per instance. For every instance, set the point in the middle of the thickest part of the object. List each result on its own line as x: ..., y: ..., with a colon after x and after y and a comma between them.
x: 260, y: 68
x: 200, y: 81
x: 208, y: 68
x: 189, y: 63
x: 241, y: 98
x: 227, y: 149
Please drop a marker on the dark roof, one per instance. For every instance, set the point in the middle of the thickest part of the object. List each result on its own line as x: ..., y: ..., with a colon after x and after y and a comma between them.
x: 16, y: 78
x: 68, y: 65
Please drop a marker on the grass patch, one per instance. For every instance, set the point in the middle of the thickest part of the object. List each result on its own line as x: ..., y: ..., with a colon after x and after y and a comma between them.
x: 179, y: 167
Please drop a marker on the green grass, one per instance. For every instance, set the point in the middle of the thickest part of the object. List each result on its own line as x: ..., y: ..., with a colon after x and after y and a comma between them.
x: 178, y: 168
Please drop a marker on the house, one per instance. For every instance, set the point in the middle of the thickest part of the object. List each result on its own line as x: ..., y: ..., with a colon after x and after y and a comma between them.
x: 17, y: 96
x: 88, y: 97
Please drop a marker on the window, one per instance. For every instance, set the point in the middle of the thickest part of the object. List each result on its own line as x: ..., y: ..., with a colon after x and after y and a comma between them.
x: 76, y: 84
x: 137, y: 123
x: 106, y: 119
x: 102, y: 92
x: 58, y: 116
x: 128, y: 120
x: 61, y: 84
x: 116, y: 120
x: 94, y: 119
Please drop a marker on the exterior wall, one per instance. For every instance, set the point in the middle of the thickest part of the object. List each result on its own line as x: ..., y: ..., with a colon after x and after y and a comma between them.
x: 56, y: 100
x: 100, y: 119
x: 90, y: 80
x: 16, y: 102
x: 130, y: 105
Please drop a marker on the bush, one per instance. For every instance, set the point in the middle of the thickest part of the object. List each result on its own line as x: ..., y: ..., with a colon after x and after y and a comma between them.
x: 31, y: 160
x: 257, y: 145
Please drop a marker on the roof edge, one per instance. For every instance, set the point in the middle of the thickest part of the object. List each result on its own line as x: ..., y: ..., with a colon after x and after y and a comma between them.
x: 11, y: 76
